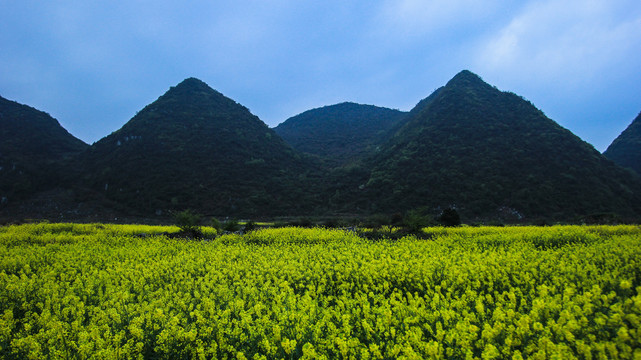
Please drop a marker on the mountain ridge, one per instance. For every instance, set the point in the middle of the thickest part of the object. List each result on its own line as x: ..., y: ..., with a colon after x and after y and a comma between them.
x: 625, y: 149
x: 488, y: 153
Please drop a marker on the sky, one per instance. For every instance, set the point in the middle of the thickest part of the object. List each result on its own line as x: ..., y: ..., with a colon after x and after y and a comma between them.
x: 93, y: 64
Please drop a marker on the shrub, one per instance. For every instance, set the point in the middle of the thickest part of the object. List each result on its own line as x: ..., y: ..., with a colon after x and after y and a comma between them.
x: 449, y: 217
x: 188, y: 222
x: 215, y: 223
x: 249, y: 226
x: 414, y: 221
x: 231, y: 225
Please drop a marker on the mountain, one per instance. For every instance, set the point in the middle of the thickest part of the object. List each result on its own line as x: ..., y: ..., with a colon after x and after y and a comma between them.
x: 32, y: 147
x: 492, y: 154
x: 195, y: 148
x: 340, y: 133
x: 489, y: 154
x: 625, y: 150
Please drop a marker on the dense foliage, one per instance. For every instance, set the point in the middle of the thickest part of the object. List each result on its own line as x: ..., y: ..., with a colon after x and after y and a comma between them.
x: 625, y: 150
x: 195, y: 148
x: 490, y: 155
x: 340, y: 133
x: 129, y: 292
x: 32, y: 146
x: 493, y: 154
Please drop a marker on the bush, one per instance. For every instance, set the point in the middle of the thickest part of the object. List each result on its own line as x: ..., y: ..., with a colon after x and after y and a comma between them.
x: 215, y: 223
x: 231, y: 225
x: 414, y: 221
x: 249, y: 226
x: 449, y: 217
x: 188, y: 222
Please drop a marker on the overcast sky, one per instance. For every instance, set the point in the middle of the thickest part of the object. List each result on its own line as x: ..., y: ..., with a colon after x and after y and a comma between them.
x: 93, y: 64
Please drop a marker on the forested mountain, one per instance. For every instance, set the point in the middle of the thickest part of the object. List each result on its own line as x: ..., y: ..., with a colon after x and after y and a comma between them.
x: 625, y: 150
x: 32, y: 147
x: 340, y: 133
x: 195, y: 148
x: 491, y: 153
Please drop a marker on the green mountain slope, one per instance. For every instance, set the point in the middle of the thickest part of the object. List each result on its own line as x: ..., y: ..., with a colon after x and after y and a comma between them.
x: 625, y: 150
x: 340, y: 133
x: 32, y: 147
x: 491, y: 153
x: 195, y: 148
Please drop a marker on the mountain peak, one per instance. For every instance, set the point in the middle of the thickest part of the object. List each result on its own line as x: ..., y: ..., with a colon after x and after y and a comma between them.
x: 193, y: 82
x: 472, y: 145
x: 195, y: 148
x: 464, y: 89
x: 26, y: 130
x: 340, y: 133
x: 192, y: 85
x: 33, y: 146
x: 466, y: 78
x: 194, y: 96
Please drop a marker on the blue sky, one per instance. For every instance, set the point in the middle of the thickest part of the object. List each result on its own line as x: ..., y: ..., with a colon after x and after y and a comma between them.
x: 93, y: 64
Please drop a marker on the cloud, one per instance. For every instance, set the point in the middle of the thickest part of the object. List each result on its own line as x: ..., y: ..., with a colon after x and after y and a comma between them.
x: 576, y: 60
x: 414, y: 19
x: 93, y: 64
x: 573, y: 40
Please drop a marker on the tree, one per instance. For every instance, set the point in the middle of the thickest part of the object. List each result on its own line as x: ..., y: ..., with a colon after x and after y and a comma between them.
x: 188, y: 222
x: 449, y: 217
x: 415, y: 221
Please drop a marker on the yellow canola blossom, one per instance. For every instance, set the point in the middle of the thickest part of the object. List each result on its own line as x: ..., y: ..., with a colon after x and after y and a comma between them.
x: 98, y: 291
